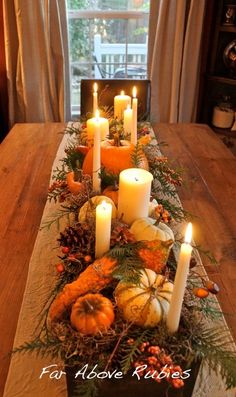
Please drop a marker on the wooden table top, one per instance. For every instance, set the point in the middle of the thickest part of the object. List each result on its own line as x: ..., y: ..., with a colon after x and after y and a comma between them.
x: 26, y: 157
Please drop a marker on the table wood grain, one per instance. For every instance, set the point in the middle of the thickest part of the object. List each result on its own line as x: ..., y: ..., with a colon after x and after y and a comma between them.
x: 26, y: 157
x: 210, y: 194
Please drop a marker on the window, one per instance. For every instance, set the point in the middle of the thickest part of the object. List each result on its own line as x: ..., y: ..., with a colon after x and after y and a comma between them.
x: 108, y: 39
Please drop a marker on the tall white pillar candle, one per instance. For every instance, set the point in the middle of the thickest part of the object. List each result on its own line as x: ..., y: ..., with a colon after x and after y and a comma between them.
x: 120, y: 104
x: 134, y: 194
x: 95, y: 98
x: 180, y: 282
x: 97, y: 155
x: 135, y: 117
x: 103, y: 228
x: 128, y: 120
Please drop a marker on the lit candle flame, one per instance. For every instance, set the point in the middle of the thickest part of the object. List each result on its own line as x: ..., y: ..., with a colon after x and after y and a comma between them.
x: 128, y: 107
x: 122, y: 93
x: 134, y: 92
x: 188, y: 234
x: 97, y: 114
x: 95, y: 87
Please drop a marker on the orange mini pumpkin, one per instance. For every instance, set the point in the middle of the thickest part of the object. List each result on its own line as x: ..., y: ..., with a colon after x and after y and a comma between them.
x: 115, y: 158
x: 112, y: 192
x: 92, y: 314
x: 75, y: 187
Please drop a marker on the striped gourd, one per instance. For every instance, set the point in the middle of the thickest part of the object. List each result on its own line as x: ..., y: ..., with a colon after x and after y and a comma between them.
x: 146, y: 303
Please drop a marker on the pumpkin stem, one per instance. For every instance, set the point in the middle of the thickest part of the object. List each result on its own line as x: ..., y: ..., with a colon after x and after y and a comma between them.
x: 88, y: 306
x: 77, y: 175
x: 117, y: 139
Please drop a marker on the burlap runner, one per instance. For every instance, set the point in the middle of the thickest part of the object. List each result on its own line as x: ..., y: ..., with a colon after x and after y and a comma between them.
x: 25, y: 369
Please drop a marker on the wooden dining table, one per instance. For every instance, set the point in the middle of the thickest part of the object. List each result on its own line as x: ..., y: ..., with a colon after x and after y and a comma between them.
x: 209, y: 192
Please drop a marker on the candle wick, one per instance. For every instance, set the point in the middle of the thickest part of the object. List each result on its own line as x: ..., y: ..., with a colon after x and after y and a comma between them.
x: 136, y: 179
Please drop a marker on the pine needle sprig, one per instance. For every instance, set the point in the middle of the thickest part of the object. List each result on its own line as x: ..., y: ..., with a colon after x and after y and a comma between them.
x: 45, y: 348
x: 56, y: 217
x: 85, y: 388
x: 72, y: 129
x: 215, y: 347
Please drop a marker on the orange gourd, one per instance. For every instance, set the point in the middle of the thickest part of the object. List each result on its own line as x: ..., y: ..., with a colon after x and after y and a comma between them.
x: 75, y: 187
x: 115, y: 158
x: 92, y: 314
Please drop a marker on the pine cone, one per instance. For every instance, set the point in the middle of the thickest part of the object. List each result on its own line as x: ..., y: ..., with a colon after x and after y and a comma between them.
x: 78, y: 238
x: 121, y: 235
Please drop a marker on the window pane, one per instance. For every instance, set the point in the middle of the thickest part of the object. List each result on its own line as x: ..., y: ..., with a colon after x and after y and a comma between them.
x: 120, y: 5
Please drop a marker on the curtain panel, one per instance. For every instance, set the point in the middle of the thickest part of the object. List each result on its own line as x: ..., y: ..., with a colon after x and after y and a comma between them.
x: 37, y: 60
x: 175, y: 32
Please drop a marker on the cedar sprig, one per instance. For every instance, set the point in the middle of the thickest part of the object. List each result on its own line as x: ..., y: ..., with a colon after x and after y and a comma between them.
x: 129, y: 352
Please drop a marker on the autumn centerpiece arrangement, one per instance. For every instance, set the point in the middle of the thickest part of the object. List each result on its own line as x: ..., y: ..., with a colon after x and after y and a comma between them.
x: 129, y: 296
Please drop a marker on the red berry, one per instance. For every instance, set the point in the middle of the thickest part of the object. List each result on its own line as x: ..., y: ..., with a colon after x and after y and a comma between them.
x: 87, y: 258
x: 177, y: 383
x: 65, y: 250
x: 60, y: 267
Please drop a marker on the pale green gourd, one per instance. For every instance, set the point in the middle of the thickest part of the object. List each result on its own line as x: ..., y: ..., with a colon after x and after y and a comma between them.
x: 146, y: 303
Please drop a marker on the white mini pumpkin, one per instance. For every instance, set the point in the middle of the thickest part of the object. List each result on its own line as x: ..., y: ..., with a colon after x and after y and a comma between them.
x: 146, y: 303
x: 88, y: 210
x: 145, y: 229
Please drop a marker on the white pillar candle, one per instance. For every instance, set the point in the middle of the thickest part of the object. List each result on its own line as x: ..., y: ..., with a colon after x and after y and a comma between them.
x: 103, y: 228
x: 134, y: 194
x: 95, y: 98
x: 180, y: 282
x: 97, y: 155
x: 104, y: 129
x: 128, y: 120
x: 135, y: 117
x: 120, y: 104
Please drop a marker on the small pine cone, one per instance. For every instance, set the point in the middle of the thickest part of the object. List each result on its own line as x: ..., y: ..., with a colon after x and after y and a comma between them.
x: 121, y: 235
x: 78, y: 238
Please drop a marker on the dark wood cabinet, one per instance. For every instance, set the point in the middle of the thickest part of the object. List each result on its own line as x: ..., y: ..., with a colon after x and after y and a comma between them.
x: 217, y: 79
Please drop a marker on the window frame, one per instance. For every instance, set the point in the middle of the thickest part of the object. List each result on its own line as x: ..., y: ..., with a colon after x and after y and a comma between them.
x: 105, y: 14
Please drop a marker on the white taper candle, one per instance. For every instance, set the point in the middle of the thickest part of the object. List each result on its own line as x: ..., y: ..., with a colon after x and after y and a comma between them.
x: 173, y: 316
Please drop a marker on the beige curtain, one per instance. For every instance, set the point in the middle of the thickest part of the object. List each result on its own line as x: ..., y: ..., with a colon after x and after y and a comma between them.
x: 36, y: 44
x: 175, y: 30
